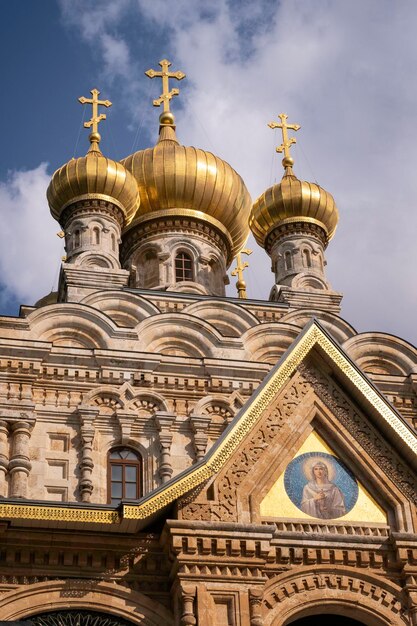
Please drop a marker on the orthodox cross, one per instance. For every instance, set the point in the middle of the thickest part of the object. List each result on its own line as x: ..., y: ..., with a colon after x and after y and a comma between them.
x: 286, y: 141
x: 96, y: 118
x: 238, y: 271
x: 166, y: 95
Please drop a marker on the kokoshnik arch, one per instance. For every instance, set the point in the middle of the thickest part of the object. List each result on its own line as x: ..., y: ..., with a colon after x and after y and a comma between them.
x: 169, y: 455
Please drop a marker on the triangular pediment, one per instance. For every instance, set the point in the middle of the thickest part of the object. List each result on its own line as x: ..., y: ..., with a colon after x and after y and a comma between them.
x: 313, y: 342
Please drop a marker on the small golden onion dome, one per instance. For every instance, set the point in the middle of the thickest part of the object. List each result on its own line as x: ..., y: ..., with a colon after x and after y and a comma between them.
x: 293, y: 201
x: 176, y: 180
x: 93, y: 177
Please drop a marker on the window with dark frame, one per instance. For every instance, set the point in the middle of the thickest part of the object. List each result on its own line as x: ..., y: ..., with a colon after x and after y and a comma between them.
x: 183, y: 267
x: 124, y: 476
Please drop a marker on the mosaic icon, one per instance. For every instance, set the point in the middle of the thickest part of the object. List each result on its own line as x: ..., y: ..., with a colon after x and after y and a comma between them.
x: 320, y: 485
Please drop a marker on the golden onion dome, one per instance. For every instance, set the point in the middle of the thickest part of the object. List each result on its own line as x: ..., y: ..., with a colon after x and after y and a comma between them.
x: 293, y: 201
x: 176, y: 180
x: 93, y: 177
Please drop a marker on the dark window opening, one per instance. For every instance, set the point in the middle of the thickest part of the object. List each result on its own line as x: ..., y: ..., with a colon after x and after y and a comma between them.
x: 183, y: 267
x: 124, y: 475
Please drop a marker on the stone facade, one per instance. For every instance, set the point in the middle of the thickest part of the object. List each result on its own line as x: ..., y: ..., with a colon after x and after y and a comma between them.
x: 148, y: 426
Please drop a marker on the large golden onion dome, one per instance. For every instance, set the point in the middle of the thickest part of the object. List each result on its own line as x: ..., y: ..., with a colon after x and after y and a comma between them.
x: 93, y: 177
x: 292, y: 201
x: 176, y: 180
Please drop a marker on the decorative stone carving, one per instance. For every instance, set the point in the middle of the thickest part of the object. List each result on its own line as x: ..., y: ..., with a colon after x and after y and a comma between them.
x: 293, y: 592
x: 87, y: 416
x: 224, y: 508
x: 164, y: 422
x: 199, y: 426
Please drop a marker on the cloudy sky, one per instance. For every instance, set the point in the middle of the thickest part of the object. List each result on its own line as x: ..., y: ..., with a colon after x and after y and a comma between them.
x: 345, y: 71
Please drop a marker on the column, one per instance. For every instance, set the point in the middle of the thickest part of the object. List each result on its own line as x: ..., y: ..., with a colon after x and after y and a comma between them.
x: 4, y: 457
x: 87, y: 416
x: 164, y: 422
x: 188, y: 616
x: 20, y: 465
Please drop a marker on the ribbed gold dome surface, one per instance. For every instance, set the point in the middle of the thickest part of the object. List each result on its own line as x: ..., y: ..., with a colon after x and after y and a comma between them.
x: 293, y: 200
x: 93, y: 177
x: 182, y: 180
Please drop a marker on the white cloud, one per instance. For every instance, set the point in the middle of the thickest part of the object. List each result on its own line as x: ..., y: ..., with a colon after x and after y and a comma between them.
x: 30, y: 251
x: 340, y: 69
x: 116, y: 55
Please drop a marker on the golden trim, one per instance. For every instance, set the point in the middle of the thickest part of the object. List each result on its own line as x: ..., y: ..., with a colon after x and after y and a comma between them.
x: 59, y: 514
x: 313, y: 336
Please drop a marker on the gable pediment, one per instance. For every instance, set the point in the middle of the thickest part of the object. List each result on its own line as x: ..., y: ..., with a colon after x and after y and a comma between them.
x: 356, y: 426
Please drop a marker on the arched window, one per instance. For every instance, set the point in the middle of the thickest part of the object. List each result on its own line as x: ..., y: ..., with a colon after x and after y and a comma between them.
x: 183, y: 267
x: 77, y: 238
x: 96, y: 236
x: 113, y: 242
x: 306, y: 258
x: 124, y: 476
x: 288, y: 261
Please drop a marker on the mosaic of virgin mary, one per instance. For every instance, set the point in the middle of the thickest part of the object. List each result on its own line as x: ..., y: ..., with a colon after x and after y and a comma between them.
x: 320, y: 485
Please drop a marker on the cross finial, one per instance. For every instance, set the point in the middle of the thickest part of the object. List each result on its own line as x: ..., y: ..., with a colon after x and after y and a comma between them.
x: 240, y: 267
x: 96, y: 118
x: 287, y: 161
x: 166, y: 94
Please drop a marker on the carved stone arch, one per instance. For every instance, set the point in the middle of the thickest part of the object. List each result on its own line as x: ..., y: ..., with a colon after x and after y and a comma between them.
x: 381, y: 353
x: 69, y: 324
x: 218, y: 408
x: 125, y: 309
x: 108, y: 399
x: 335, y: 325
x: 306, y: 280
x: 349, y: 592
x: 149, y: 402
x: 268, y: 342
x: 179, y: 335
x: 96, y: 259
x: 109, y: 598
x: 229, y: 318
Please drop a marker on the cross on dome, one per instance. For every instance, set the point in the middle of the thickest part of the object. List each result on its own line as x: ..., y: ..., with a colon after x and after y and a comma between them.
x: 287, y: 161
x: 166, y: 95
x: 96, y: 118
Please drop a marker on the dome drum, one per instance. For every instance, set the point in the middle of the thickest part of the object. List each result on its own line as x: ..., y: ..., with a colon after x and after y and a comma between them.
x: 184, y: 221
x: 293, y: 226
x: 93, y: 204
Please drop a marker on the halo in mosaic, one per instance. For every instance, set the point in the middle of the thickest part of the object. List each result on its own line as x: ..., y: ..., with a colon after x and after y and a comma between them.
x: 320, y: 485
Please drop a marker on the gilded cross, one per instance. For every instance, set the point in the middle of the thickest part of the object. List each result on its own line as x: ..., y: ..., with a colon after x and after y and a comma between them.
x: 166, y: 95
x: 96, y: 118
x: 238, y: 271
x: 286, y: 141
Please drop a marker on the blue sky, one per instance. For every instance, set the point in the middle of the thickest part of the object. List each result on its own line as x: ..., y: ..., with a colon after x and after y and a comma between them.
x: 345, y: 71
